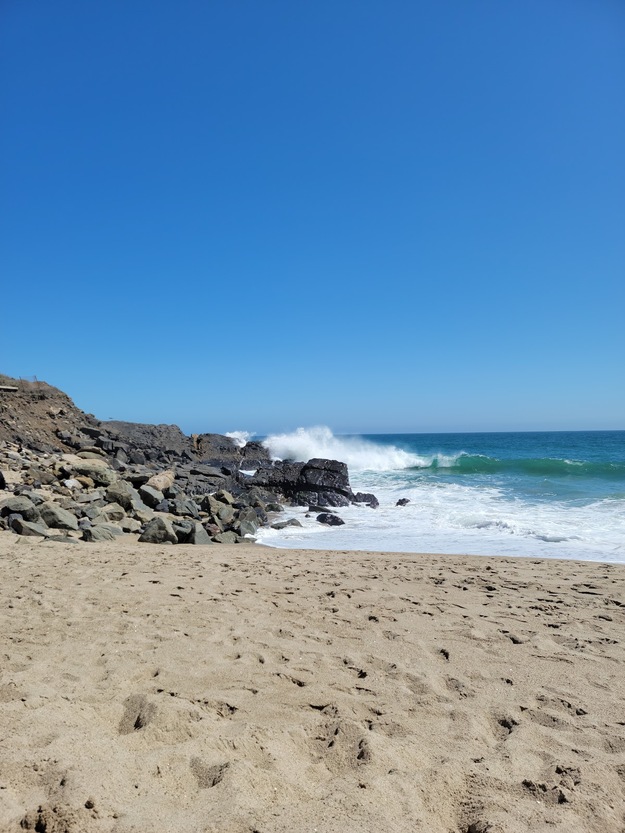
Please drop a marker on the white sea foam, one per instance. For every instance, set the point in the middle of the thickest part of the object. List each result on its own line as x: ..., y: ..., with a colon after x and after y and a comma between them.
x: 359, y: 454
x: 241, y: 438
x: 454, y: 518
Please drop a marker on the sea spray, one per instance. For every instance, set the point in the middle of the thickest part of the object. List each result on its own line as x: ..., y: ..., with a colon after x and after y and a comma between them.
x: 240, y: 438
x: 359, y: 454
x: 558, y: 494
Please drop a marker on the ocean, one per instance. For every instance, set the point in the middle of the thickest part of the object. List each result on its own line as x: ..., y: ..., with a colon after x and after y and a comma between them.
x: 532, y: 494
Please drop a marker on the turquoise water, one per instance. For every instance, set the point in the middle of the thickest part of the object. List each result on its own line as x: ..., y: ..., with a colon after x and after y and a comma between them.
x: 582, y: 465
x: 548, y: 494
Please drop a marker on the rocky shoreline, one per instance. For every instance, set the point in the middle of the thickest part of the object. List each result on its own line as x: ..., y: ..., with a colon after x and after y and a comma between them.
x: 64, y: 474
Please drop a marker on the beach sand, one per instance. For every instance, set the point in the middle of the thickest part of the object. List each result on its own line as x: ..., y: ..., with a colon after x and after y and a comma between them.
x: 240, y: 689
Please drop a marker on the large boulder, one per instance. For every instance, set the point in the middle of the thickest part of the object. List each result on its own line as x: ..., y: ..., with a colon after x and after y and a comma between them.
x: 20, y: 505
x: 330, y: 519
x: 324, y: 482
x: 125, y: 495
x: 28, y: 528
x: 101, y: 532
x: 98, y: 470
x: 191, y: 532
x: 367, y: 498
x: 159, y: 531
x: 56, y: 517
x: 151, y: 496
x: 110, y: 513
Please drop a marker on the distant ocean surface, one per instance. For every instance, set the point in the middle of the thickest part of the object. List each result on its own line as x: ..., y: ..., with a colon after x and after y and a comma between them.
x: 552, y: 494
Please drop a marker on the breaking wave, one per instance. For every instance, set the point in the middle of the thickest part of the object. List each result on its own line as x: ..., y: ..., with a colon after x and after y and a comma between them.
x: 241, y: 438
x: 359, y: 454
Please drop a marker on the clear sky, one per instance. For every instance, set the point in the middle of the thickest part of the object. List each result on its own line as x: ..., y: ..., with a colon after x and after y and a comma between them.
x: 378, y: 216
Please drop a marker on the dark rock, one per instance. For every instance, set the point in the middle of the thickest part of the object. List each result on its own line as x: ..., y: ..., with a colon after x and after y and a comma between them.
x: 29, y: 528
x: 224, y: 497
x: 184, y: 507
x: 101, y: 532
x: 403, y: 501
x: 217, y: 450
x: 43, y: 478
x: 172, y: 492
x: 156, y: 440
x: 158, y: 531
x: 91, y: 431
x: 246, y: 528
x: 210, y: 504
x: 199, y: 535
x: 62, y: 539
x: 248, y: 514
x: 330, y: 519
x: 323, y: 499
x: 22, y: 506
x: 207, y: 471
x: 150, y: 496
x: 284, y: 524
x: 125, y: 495
x: 253, y: 455
x: 58, y: 518
x: 321, y: 482
x: 137, y: 478
x: 365, y: 497
x: 226, y: 514
x: 183, y: 529
x: 226, y: 538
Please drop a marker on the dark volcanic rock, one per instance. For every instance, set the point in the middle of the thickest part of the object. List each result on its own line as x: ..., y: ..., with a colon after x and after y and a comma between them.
x: 330, y: 519
x: 153, y: 441
x: 320, y: 482
x: 150, y: 496
x: 217, y: 450
x: 403, y: 501
x: 366, y: 497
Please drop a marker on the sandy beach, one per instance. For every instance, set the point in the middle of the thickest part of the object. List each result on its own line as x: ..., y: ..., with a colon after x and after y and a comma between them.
x: 240, y: 689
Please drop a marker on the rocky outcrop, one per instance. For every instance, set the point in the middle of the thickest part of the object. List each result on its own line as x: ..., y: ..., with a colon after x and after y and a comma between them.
x: 322, y: 482
x: 63, y: 473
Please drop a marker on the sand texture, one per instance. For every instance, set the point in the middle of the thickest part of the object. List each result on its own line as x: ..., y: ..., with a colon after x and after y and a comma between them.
x: 241, y: 689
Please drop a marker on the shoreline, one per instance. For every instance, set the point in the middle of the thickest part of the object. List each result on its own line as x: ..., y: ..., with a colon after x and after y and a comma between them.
x: 151, y: 687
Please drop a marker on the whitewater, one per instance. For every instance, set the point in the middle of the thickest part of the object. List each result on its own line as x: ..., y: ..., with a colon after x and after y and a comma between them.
x: 532, y: 494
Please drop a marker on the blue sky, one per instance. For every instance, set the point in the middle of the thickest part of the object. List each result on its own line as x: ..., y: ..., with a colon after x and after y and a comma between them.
x: 377, y: 216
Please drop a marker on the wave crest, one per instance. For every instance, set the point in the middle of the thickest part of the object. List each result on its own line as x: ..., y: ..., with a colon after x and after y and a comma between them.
x: 358, y: 454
